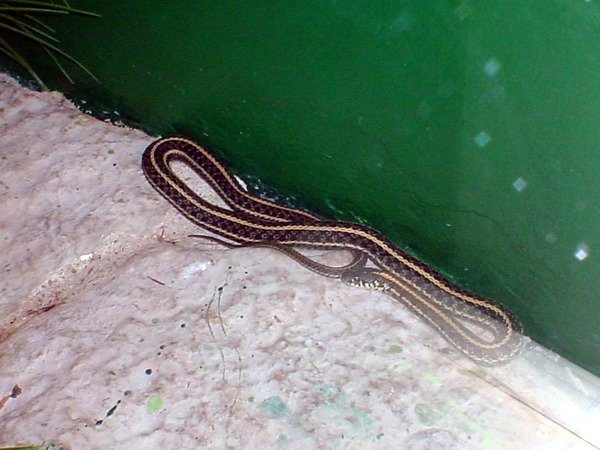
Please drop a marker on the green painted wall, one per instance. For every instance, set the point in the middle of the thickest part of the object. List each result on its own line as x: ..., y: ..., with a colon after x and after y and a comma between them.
x: 468, y: 131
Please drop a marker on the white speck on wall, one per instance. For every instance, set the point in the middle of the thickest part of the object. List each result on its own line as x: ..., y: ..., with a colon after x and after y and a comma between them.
x: 492, y: 67
x: 150, y: 339
x: 582, y: 251
x: 463, y: 10
x: 519, y: 184
x: 482, y: 139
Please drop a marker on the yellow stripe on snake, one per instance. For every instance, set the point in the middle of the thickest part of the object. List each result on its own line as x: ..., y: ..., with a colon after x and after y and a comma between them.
x: 482, y: 329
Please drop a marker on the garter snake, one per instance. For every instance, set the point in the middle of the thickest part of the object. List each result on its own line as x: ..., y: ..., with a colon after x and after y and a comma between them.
x: 449, y: 309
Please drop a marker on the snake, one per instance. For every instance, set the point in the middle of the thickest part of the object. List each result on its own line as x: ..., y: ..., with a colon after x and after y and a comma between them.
x: 482, y: 329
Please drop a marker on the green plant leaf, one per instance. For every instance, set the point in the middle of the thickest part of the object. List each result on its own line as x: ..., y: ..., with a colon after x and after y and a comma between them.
x: 18, y: 17
x: 16, y: 56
